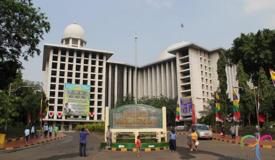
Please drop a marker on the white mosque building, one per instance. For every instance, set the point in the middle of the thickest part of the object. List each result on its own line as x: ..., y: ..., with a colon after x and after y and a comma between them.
x: 184, y: 69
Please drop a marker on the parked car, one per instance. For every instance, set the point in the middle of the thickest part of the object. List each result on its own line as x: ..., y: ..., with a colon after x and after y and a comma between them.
x: 180, y: 128
x: 203, y: 131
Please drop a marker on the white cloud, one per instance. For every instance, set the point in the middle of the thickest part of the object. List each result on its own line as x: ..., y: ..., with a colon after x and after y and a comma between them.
x: 160, y: 3
x: 259, y: 5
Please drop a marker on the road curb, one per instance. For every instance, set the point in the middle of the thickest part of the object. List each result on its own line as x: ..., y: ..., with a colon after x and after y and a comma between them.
x: 135, y: 150
x: 30, y: 145
x: 232, y: 141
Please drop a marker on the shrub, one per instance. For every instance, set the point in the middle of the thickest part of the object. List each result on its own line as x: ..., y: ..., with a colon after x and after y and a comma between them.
x: 94, y: 127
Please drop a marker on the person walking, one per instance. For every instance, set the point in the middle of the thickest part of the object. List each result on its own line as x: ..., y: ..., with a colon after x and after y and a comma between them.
x: 27, y: 134
x: 55, y: 130
x: 83, y: 141
x: 189, y: 139
x: 172, y: 140
x: 109, y: 137
x: 50, y: 130
x: 46, y: 129
x: 32, y: 131
x: 195, y: 142
x: 232, y: 132
x: 138, y: 146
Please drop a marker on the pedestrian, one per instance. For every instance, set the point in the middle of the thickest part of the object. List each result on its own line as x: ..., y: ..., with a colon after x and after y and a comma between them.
x: 138, y: 145
x: 222, y: 131
x: 232, y: 132
x: 109, y: 137
x: 195, y: 142
x: 33, y: 131
x: 46, y: 129
x: 189, y: 139
x: 50, y: 130
x: 83, y: 141
x: 172, y: 141
x: 27, y: 134
x: 55, y: 130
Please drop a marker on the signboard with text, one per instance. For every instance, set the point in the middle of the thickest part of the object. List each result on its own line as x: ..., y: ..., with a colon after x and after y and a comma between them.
x: 186, y: 107
x: 135, y: 116
x: 76, y: 99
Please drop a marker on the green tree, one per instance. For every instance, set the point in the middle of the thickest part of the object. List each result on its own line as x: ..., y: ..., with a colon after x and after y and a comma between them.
x: 247, y: 97
x: 255, y: 51
x: 8, y: 110
x: 22, y: 27
x: 224, y: 100
x: 266, y: 93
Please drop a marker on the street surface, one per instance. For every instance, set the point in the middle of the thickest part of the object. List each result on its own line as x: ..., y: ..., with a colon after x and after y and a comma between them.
x: 68, y: 149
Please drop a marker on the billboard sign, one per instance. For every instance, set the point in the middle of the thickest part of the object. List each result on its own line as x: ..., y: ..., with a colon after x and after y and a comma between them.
x: 135, y: 116
x: 186, y: 107
x: 76, y: 99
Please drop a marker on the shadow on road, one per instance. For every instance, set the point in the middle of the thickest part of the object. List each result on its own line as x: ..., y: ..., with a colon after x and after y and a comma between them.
x: 185, y: 153
x: 63, y: 156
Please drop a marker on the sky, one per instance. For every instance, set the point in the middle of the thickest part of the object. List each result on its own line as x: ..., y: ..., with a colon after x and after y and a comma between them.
x: 112, y: 25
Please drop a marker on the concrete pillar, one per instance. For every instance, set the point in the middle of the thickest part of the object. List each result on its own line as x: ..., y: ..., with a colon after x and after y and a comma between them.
x: 153, y: 81
x: 173, y: 79
x: 158, y: 82
x: 110, y: 86
x: 164, y: 123
x: 168, y: 81
x: 163, y: 88
x: 115, y: 89
x: 124, y: 82
x: 149, y: 82
x: 145, y: 83
x: 130, y: 82
x: 106, y: 121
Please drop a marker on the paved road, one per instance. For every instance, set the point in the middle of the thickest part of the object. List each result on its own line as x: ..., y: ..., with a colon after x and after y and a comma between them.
x: 68, y: 149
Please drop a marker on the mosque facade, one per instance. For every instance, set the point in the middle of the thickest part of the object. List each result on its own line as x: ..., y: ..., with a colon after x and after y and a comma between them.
x: 80, y: 82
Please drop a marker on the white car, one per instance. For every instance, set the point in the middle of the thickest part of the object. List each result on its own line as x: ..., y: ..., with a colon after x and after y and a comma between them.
x: 180, y: 128
x: 203, y: 131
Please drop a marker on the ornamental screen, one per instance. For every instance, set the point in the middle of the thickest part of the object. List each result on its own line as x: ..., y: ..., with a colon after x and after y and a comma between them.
x: 135, y: 116
x: 76, y: 99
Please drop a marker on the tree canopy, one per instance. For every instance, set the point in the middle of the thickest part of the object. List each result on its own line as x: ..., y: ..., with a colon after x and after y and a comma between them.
x: 255, y: 51
x: 22, y: 26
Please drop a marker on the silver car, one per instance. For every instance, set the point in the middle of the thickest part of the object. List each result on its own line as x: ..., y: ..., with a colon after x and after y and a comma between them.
x: 203, y: 131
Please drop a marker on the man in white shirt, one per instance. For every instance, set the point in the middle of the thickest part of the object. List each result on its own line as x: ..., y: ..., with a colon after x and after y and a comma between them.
x: 27, y: 134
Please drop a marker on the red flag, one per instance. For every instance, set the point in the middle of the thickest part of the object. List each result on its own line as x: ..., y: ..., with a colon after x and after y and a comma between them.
x: 261, y: 118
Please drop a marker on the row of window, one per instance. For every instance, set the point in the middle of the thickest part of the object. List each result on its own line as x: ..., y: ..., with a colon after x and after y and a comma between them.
x: 77, y: 75
x: 78, y: 54
x: 62, y: 66
x: 77, y: 81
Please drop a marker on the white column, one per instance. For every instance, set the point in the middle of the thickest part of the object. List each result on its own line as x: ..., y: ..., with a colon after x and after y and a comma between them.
x: 140, y: 83
x: 164, y: 125
x: 104, y: 87
x: 163, y: 80
x: 158, y: 81
x: 168, y: 81
x: 149, y: 82
x: 125, y: 82
x: 130, y: 82
x: 145, y: 83
x: 153, y: 81
x: 106, y: 121
x: 110, y: 86
x: 135, y: 84
x: 115, y: 89
x: 173, y: 80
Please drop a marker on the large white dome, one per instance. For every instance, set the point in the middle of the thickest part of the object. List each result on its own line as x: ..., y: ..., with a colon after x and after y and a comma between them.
x: 166, y: 55
x: 74, y: 31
